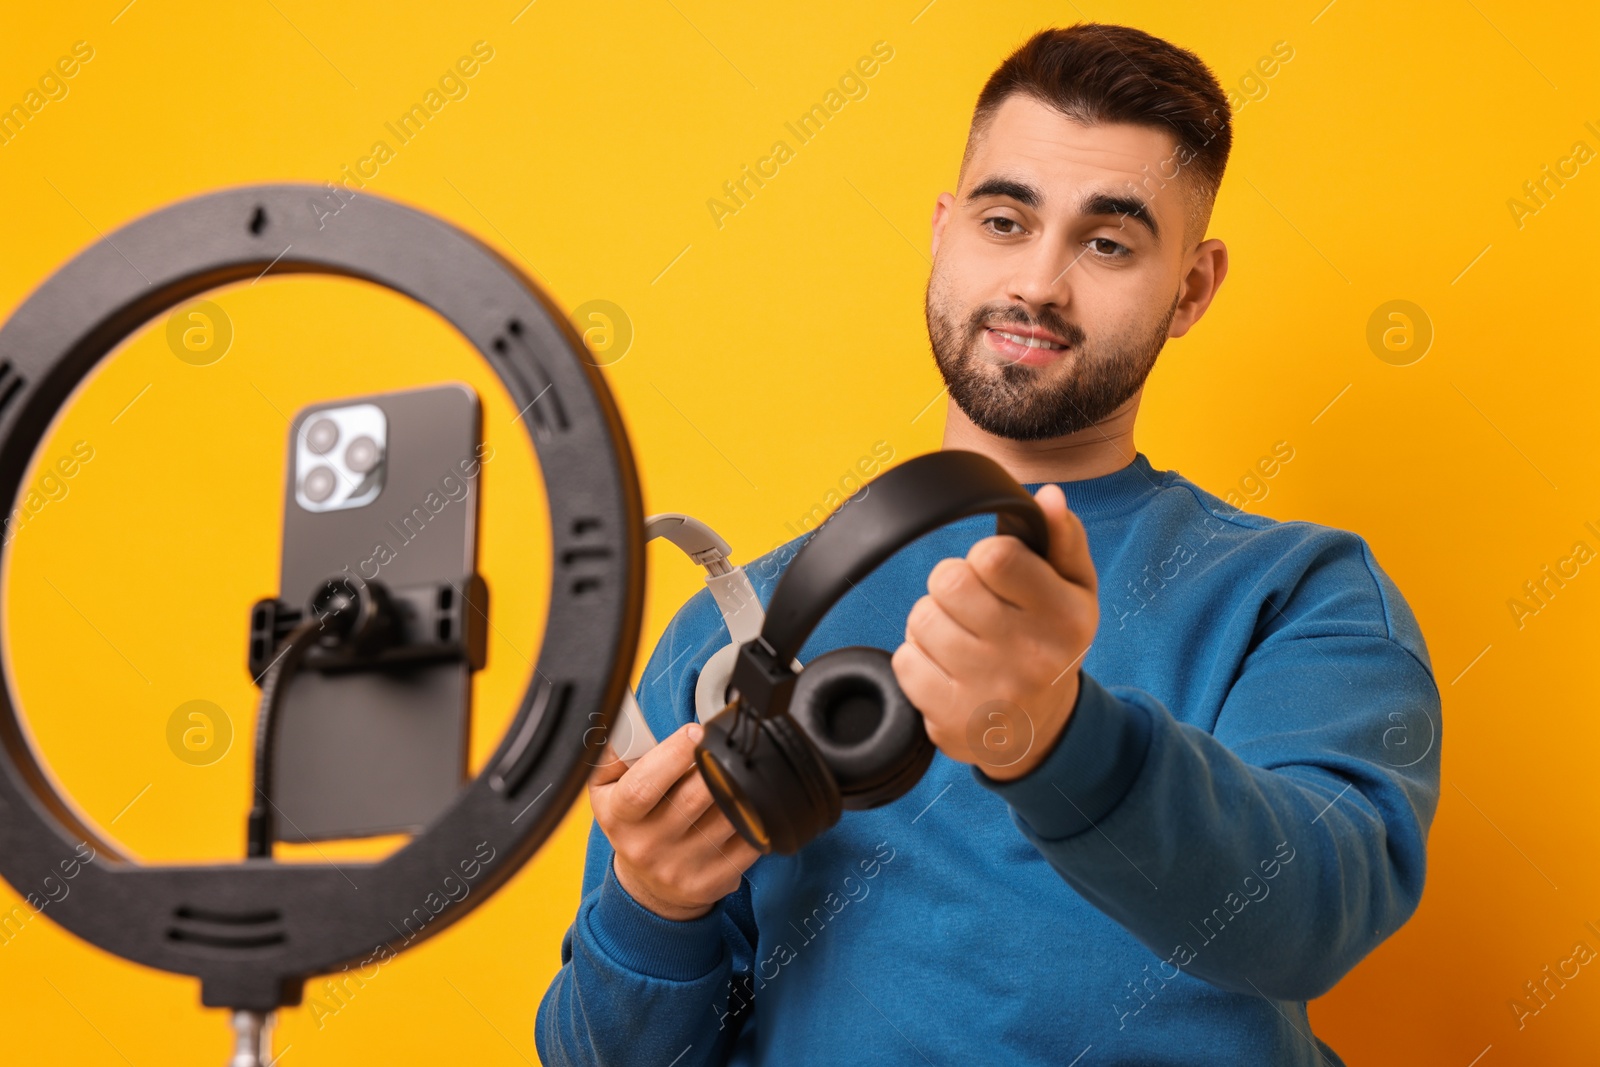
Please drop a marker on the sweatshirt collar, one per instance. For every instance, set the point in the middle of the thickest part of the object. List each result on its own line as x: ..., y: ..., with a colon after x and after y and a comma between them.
x: 1110, y: 494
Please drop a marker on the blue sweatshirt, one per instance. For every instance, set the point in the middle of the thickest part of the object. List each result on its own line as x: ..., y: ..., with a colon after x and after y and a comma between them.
x: 1235, y: 815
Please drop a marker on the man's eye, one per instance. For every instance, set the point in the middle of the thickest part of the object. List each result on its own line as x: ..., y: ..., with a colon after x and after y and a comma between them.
x: 1106, y: 247
x: 1015, y: 227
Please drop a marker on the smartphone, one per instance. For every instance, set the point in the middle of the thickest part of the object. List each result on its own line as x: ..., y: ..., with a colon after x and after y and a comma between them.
x: 384, y: 488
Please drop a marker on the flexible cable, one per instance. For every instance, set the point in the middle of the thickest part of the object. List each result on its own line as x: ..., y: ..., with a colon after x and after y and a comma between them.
x: 274, y: 683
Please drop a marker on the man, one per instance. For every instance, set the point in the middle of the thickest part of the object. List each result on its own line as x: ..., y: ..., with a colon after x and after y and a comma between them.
x: 1202, y: 744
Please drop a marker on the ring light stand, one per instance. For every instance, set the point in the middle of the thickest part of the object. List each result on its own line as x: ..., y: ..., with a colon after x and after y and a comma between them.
x: 253, y: 932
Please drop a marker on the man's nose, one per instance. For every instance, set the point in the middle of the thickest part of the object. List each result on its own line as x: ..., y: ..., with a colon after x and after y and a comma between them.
x: 1043, y: 275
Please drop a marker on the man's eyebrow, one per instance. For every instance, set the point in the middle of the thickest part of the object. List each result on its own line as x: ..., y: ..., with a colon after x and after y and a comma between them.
x: 1094, y: 204
x: 1015, y: 188
x: 1126, y: 206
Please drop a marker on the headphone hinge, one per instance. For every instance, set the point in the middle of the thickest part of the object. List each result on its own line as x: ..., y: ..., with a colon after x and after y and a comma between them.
x: 760, y: 682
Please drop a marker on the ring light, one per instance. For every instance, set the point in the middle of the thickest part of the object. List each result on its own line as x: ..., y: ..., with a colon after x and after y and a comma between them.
x: 254, y: 931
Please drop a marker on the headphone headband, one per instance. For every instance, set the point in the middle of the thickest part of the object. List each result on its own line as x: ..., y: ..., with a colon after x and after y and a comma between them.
x: 735, y: 598
x: 915, y: 498
x: 730, y: 586
x: 697, y: 540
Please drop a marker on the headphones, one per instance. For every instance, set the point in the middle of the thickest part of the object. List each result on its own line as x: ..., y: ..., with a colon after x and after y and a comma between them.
x: 795, y: 747
x: 741, y: 613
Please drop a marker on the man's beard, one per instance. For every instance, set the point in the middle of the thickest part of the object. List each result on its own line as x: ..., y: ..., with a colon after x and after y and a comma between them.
x: 1009, y: 400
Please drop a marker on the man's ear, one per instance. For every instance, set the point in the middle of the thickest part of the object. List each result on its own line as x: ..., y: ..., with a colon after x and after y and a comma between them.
x: 1208, y: 265
x: 941, y: 215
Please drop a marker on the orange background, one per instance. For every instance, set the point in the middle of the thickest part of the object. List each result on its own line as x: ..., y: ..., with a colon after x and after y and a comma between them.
x: 770, y: 353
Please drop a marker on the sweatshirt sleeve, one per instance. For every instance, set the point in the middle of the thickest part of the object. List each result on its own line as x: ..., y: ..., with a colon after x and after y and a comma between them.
x: 633, y: 987
x: 1272, y: 853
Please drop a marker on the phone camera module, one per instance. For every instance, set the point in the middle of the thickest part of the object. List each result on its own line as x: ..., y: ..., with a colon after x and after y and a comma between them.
x: 340, y: 457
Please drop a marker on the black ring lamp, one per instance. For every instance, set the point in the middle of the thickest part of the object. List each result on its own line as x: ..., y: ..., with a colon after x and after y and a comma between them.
x: 254, y: 931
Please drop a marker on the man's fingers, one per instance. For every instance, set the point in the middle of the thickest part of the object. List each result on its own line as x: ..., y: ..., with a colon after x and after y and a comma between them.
x: 637, y: 792
x: 714, y: 828
x: 608, y: 769
x: 923, y: 682
x: 690, y: 797
x: 967, y: 600
x: 1018, y: 576
x: 740, y: 854
x: 1012, y: 572
x: 953, y: 648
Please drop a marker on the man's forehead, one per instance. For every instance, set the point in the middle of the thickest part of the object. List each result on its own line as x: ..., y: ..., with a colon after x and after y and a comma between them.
x: 1027, y: 127
x: 1028, y: 144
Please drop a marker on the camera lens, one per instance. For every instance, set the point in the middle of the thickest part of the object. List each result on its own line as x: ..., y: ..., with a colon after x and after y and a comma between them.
x: 322, y: 435
x: 362, y: 455
x: 318, y: 484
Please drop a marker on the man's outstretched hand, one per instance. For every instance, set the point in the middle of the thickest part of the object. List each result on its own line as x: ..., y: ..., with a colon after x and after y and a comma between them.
x: 992, y: 652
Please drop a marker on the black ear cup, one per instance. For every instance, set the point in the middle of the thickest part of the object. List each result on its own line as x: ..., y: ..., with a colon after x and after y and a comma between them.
x: 767, y: 779
x: 850, y: 708
x: 850, y: 740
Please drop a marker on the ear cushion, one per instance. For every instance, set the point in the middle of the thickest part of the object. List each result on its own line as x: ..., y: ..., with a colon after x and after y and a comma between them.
x: 711, y: 689
x: 630, y: 734
x: 851, y: 709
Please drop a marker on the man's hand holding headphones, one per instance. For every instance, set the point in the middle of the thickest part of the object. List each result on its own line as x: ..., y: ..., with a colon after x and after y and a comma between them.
x: 676, y: 853
x: 992, y: 651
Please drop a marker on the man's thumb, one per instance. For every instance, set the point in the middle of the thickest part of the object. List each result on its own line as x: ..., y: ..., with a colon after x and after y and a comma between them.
x: 1069, y: 542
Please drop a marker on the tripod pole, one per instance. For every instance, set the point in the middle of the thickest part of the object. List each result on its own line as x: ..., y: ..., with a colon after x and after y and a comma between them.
x: 252, y: 1039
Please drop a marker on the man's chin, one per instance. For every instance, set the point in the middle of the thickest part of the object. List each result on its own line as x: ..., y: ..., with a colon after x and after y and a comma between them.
x: 1001, y: 412
x: 1011, y: 428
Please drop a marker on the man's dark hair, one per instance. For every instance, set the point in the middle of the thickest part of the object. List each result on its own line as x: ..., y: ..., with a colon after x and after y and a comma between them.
x: 1097, y: 74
